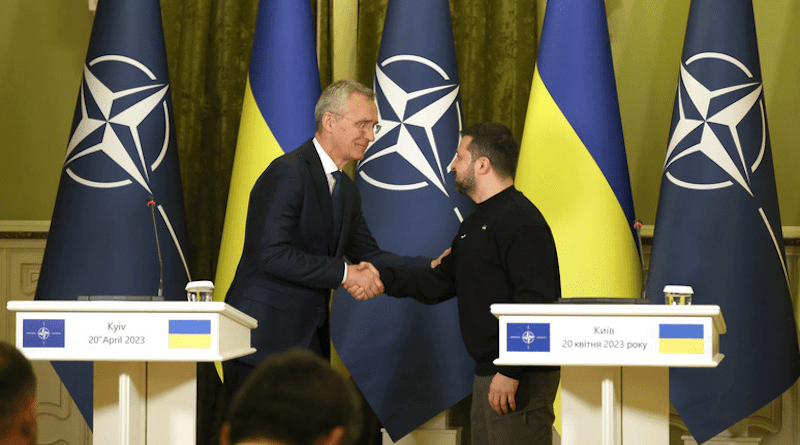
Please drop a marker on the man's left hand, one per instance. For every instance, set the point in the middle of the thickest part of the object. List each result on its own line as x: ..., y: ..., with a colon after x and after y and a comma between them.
x: 502, y: 393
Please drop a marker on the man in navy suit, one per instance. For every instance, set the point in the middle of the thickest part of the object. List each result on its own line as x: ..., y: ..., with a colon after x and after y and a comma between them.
x: 295, y: 238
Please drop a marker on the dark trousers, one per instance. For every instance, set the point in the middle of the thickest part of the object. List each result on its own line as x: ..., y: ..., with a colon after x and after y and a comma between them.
x: 530, y: 424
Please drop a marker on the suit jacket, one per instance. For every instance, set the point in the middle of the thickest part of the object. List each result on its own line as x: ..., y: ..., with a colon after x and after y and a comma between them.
x: 290, y: 260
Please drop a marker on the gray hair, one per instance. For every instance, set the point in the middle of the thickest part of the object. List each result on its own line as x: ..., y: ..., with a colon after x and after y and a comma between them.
x: 336, y: 96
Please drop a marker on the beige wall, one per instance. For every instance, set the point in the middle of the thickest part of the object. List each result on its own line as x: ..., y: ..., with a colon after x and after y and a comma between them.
x: 42, y: 48
x: 43, y: 44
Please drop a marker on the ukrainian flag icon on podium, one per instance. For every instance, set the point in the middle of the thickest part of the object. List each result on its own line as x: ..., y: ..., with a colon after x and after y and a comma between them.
x: 190, y: 334
x: 680, y: 338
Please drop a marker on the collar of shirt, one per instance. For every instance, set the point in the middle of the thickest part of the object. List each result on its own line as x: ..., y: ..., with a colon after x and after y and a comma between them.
x: 496, y: 200
x: 327, y: 164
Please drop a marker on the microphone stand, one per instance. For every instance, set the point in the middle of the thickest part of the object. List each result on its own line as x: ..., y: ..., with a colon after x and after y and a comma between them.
x: 151, y: 202
x: 637, y: 225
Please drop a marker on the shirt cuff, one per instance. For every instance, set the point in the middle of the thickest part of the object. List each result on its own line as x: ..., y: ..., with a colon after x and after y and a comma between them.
x: 344, y: 277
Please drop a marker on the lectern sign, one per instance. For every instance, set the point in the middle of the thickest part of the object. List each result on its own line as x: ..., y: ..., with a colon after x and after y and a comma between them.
x: 116, y: 335
x: 128, y: 331
x: 647, y: 336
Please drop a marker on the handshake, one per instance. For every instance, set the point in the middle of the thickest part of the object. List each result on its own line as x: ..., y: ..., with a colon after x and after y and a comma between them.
x: 364, y: 281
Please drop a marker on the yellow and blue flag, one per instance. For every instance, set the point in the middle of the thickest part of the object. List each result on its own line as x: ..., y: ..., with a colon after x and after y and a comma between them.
x: 189, y: 334
x: 121, y: 155
x: 409, y: 359
x: 277, y: 114
x: 572, y: 163
x: 676, y: 338
x: 718, y: 226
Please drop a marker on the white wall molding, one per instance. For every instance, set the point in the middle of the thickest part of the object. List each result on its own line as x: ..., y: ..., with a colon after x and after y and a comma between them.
x: 789, y: 232
x: 25, y: 226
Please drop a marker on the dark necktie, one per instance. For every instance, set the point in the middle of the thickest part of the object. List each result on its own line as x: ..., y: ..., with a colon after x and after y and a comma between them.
x: 336, y: 197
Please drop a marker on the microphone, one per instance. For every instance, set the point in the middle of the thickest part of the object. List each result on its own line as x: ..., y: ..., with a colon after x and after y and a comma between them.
x: 151, y: 202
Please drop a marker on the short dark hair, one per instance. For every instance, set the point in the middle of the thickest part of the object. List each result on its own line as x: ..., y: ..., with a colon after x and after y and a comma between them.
x: 17, y: 384
x: 495, y: 142
x: 295, y: 397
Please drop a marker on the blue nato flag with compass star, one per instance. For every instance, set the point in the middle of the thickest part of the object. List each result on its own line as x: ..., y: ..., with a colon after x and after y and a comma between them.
x: 120, y: 154
x: 408, y: 358
x: 718, y: 227
x: 528, y: 337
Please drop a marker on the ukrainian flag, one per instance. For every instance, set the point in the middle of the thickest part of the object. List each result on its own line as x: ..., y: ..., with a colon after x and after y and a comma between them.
x: 277, y: 114
x: 189, y: 334
x: 572, y: 162
x: 680, y: 338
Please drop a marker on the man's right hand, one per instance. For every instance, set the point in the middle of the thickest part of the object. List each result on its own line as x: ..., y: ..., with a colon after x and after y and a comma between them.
x: 363, y: 281
x: 436, y: 262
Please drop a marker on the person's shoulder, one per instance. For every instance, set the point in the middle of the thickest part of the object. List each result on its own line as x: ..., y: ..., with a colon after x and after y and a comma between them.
x: 292, y: 160
x: 526, y: 211
x: 302, y: 154
x: 284, y: 171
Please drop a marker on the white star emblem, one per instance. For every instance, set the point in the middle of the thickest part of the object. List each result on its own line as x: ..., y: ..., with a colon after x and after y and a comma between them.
x: 111, y: 122
x: 127, y: 120
x: 735, y: 167
x: 729, y: 116
x: 406, y: 146
x: 43, y: 333
x: 528, y: 337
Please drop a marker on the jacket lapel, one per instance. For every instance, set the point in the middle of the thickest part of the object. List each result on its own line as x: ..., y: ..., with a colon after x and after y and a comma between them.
x: 320, y: 185
x: 349, y: 192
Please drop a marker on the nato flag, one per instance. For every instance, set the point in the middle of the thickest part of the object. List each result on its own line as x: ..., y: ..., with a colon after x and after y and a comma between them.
x: 718, y: 228
x: 407, y: 358
x: 121, y: 152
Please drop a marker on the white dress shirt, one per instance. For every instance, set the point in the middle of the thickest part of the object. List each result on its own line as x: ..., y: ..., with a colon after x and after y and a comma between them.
x: 329, y: 167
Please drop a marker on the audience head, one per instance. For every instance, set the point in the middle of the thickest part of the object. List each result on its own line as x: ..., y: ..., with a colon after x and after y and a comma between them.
x: 17, y: 397
x: 294, y: 398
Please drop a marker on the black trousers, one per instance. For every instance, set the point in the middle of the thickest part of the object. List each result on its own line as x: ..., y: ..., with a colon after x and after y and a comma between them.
x: 530, y: 424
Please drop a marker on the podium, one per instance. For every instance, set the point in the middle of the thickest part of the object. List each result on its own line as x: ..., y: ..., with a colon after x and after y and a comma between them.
x: 614, y: 360
x: 145, y: 358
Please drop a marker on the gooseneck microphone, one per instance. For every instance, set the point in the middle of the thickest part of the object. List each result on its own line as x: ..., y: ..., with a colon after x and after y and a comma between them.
x: 151, y: 202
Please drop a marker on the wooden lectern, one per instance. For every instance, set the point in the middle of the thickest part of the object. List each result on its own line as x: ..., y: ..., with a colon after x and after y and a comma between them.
x: 145, y: 354
x: 614, y: 360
